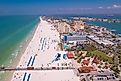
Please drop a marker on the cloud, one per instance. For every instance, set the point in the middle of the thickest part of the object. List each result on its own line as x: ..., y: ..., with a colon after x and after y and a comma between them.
x: 100, y: 7
x: 116, y: 6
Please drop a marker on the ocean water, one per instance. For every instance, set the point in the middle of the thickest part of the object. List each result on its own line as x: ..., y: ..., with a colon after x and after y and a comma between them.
x: 104, y: 16
x: 13, y: 30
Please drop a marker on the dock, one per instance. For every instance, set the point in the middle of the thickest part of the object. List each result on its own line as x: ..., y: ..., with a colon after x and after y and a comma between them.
x: 35, y: 68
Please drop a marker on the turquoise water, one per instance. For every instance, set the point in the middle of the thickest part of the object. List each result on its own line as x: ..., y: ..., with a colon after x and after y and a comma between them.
x: 110, y: 26
x: 13, y: 30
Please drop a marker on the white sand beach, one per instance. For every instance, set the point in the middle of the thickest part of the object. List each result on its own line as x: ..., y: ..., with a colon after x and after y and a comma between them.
x: 41, y: 52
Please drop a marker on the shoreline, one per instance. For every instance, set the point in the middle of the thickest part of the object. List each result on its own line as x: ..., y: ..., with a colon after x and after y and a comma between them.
x: 43, y: 44
x: 115, y: 29
x: 21, y: 51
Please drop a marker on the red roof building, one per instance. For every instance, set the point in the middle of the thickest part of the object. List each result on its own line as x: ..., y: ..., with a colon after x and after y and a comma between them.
x: 86, y: 62
x: 96, y: 60
x: 70, y: 55
x: 87, y: 69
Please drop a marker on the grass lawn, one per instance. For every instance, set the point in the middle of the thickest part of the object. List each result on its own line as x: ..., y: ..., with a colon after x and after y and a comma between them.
x: 102, y: 55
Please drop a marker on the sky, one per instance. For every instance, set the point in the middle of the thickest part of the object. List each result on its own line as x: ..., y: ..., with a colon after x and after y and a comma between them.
x: 48, y: 7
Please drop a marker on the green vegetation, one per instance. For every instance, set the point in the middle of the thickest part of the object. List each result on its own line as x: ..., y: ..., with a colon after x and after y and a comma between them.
x: 70, y: 34
x: 83, y: 79
x: 119, y: 46
x: 78, y: 61
x: 119, y: 56
x: 92, y: 51
x: 116, y: 70
x: 88, y: 29
x: 119, y: 52
x: 102, y: 55
x: 89, y: 48
x: 120, y: 59
x: 88, y: 54
x: 78, y: 56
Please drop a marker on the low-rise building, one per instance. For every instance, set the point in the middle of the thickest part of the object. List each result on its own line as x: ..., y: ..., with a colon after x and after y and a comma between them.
x: 87, y: 69
x: 75, y: 38
x: 100, y: 41
x: 70, y: 55
x: 104, y: 76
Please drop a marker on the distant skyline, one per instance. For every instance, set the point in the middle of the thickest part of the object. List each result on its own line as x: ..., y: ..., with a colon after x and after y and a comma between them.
x: 49, y: 7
